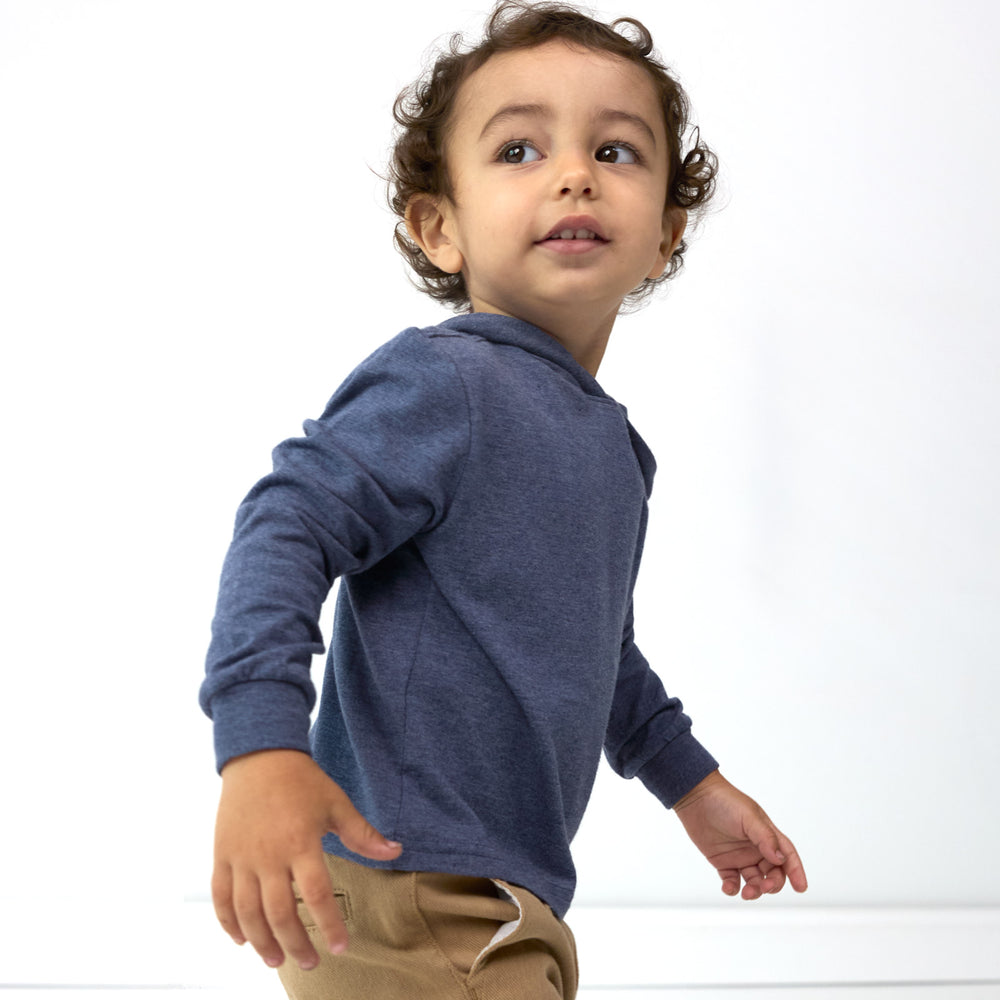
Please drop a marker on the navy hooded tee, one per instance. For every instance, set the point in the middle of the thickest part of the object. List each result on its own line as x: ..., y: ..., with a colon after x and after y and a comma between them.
x: 483, y: 502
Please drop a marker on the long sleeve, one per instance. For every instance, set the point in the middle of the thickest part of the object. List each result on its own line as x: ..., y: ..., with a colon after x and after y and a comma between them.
x: 649, y: 735
x: 378, y: 467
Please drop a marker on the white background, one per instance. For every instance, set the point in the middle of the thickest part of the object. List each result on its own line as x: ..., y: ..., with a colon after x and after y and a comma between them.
x: 194, y: 251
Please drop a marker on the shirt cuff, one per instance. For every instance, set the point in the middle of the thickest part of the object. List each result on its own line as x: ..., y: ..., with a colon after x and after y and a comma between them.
x: 677, y: 768
x: 259, y: 715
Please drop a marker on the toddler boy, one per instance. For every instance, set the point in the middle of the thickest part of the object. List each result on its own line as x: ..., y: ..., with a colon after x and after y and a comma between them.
x: 484, y: 502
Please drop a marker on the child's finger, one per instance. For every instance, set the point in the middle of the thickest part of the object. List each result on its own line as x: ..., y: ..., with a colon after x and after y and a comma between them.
x: 774, y: 880
x: 222, y: 901
x: 314, y: 887
x: 730, y: 881
x: 781, y: 853
x: 754, y: 882
x: 793, y: 865
x: 282, y: 913
x: 253, y: 923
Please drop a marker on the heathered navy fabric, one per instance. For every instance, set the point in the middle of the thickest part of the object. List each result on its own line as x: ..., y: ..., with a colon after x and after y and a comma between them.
x: 484, y: 502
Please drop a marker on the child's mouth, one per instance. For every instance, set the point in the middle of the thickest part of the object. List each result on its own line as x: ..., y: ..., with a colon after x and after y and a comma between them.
x: 574, y: 234
x: 572, y: 242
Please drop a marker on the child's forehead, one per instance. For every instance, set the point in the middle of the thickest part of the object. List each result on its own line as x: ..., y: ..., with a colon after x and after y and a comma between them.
x: 548, y: 73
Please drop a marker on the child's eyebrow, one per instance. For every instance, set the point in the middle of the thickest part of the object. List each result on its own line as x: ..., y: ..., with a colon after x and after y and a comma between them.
x: 509, y: 111
x: 606, y: 115
x: 615, y: 115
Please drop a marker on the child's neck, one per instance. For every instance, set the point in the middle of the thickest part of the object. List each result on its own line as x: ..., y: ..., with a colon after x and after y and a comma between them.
x: 585, y: 337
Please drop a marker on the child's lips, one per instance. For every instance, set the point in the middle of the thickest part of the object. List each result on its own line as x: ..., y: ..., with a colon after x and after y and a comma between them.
x: 574, y: 246
x: 576, y: 227
x: 573, y: 235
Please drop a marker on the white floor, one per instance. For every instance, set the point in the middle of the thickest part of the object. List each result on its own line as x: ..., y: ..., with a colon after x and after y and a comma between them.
x: 908, y: 991
x: 784, y: 953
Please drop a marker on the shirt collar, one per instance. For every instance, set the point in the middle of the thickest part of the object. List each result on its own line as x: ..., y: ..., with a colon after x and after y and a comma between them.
x: 501, y: 329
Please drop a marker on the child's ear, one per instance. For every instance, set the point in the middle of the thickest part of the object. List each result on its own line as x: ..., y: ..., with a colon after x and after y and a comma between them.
x: 428, y: 221
x: 674, y: 223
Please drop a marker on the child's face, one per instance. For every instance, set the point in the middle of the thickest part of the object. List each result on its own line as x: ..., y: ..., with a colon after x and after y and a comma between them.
x: 547, y: 141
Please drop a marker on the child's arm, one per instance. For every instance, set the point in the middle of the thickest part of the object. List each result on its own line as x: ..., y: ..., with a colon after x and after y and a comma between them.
x: 378, y: 466
x: 276, y: 805
x: 649, y: 737
x: 739, y: 839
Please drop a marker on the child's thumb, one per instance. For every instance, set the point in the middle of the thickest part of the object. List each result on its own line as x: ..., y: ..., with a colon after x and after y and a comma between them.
x: 359, y: 836
x: 766, y: 838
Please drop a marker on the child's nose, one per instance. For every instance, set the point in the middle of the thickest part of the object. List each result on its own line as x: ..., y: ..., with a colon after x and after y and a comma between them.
x: 577, y: 175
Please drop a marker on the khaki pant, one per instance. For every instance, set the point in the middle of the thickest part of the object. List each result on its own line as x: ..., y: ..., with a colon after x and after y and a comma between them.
x: 422, y: 936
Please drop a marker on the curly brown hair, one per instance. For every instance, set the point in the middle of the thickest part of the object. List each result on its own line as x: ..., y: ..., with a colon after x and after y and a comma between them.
x: 423, y: 109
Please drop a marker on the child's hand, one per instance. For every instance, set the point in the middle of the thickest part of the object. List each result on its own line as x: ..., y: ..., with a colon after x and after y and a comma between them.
x: 739, y: 839
x: 276, y: 805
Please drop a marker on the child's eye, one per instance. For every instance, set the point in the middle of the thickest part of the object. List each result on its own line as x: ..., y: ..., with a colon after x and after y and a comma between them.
x: 519, y: 152
x: 617, y: 152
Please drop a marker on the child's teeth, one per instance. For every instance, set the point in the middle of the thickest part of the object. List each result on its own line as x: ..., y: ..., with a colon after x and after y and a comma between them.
x: 576, y: 234
x: 566, y: 234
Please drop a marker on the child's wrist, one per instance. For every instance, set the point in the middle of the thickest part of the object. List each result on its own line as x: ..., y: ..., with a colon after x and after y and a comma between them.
x: 703, y: 788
